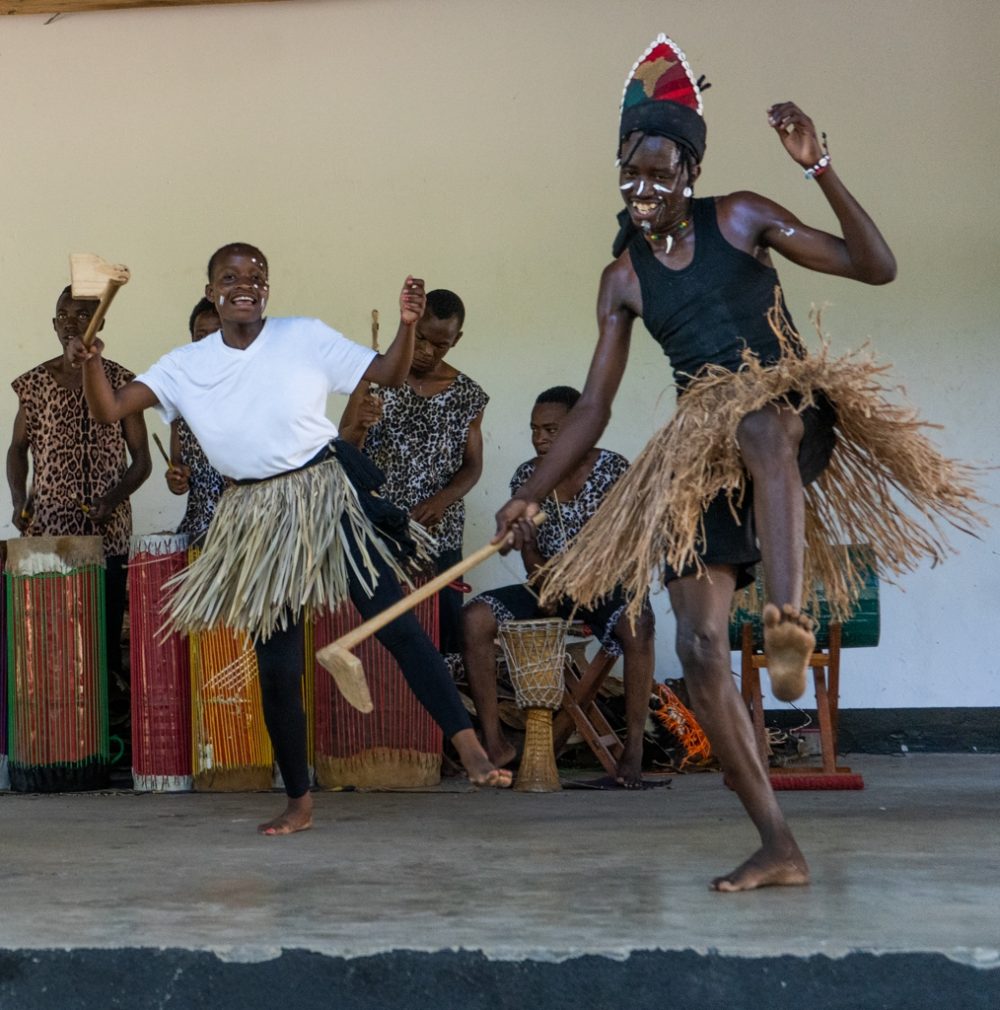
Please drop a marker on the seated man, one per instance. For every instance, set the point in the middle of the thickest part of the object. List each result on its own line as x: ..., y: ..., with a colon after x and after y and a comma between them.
x: 572, y: 502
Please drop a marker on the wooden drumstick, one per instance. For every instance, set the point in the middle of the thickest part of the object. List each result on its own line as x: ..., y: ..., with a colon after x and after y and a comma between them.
x: 93, y: 277
x: 163, y: 452
x: 346, y: 668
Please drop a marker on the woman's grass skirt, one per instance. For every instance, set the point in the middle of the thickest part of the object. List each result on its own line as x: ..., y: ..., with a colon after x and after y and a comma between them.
x: 886, y: 485
x: 282, y: 548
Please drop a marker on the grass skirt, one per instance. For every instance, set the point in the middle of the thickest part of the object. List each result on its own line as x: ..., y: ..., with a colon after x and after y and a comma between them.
x: 280, y: 548
x: 886, y: 485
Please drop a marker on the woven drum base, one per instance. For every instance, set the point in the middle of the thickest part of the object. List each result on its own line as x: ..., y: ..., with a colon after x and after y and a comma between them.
x: 93, y: 774
x: 537, y: 772
x: 234, y: 780
x: 379, y: 768
x: 161, y: 783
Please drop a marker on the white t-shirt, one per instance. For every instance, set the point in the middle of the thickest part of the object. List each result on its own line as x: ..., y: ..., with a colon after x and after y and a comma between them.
x: 260, y: 411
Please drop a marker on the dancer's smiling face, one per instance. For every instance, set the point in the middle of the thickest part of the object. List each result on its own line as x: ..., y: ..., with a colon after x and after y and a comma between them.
x: 652, y: 178
x: 238, y: 288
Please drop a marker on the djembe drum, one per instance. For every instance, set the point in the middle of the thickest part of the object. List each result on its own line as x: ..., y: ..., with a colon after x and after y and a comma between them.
x: 57, y: 664
x: 398, y: 744
x: 536, y: 656
x: 161, y: 669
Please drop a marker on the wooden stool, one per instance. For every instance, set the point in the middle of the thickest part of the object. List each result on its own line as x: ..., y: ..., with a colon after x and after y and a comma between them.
x: 825, y: 665
x: 862, y: 629
x: 584, y: 678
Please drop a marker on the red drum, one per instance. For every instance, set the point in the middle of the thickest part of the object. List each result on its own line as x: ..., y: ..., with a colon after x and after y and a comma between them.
x: 57, y: 664
x: 396, y: 746
x: 161, y: 669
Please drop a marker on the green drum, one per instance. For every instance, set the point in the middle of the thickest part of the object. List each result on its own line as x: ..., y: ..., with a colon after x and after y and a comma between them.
x: 860, y: 631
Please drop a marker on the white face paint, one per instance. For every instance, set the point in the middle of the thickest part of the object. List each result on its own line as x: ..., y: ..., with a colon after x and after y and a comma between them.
x: 626, y: 186
x: 222, y: 300
x: 263, y: 304
x: 659, y: 188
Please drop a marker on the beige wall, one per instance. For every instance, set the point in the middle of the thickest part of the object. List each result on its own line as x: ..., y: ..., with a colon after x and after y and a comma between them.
x: 472, y: 142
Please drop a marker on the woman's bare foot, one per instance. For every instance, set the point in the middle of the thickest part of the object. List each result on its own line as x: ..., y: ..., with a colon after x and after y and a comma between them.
x: 766, y: 869
x: 296, y: 817
x: 629, y: 772
x: 479, y: 766
x: 788, y: 646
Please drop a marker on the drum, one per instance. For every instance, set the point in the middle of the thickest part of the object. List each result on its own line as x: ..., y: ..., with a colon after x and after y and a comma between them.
x: 4, y: 770
x: 57, y: 664
x: 231, y: 751
x: 535, y: 652
x: 398, y: 744
x: 160, y: 669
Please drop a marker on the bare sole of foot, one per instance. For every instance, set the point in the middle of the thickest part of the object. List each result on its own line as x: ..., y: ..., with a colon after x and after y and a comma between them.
x: 788, y: 646
x: 763, y: 870
x: 297, y: 816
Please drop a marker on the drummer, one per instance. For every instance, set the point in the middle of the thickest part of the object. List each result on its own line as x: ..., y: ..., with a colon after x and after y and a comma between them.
x: 567, y: 508
x: 190, y: 472
x: 83, y: 473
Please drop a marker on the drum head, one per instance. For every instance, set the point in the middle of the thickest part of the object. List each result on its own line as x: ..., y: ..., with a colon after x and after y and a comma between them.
x: 35, y: 555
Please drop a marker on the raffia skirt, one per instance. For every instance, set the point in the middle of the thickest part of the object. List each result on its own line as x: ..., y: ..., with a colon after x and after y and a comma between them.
x: 281, y: 548
x: 885, y: 485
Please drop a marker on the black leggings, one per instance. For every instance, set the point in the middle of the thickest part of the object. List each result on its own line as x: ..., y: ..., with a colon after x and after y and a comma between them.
x: 281, y: 663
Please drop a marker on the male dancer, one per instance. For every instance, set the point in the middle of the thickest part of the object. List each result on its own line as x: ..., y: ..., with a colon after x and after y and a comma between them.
x: 752, y: 426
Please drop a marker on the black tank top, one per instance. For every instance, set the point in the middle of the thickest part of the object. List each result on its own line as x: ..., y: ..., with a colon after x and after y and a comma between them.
x: 712, y: 309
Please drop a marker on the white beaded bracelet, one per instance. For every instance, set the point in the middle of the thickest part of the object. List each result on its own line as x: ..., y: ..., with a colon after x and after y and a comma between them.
x: 815, y: 171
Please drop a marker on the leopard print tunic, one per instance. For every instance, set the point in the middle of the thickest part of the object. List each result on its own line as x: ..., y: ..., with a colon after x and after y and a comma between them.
x: 567, y: 518
x: 419, y: 445
x: 205, y: 485
x: 74, y: 459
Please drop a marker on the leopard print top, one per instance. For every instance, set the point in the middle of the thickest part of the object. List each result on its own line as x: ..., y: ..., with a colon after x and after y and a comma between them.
x: 566, y: 518
x: 419, y: 445
x: 74, y: 459
x: 205, y: 485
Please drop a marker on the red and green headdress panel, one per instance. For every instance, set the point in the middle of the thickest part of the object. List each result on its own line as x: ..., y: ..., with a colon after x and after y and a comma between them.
x: 663, y: 98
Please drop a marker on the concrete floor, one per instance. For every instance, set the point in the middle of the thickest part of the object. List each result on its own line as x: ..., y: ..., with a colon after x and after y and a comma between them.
x: 908, y: 866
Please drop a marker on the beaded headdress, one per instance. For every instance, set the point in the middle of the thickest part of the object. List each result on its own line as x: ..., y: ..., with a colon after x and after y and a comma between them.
x: 663, y: 98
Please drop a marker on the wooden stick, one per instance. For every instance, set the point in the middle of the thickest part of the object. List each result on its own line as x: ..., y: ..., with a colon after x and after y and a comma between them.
x: 374, y: 329
x: 346, y: 669
x: 163, y: 452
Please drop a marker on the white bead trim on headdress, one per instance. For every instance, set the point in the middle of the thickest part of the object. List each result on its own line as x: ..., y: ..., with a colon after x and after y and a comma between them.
x: 660, y: 40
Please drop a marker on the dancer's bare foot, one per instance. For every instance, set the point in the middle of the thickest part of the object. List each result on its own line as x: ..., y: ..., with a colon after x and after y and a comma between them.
x: 788, y: 646
x: 480, y: 768
x: 629, y: 772
x: 766, y: 869
x: 296, y: 817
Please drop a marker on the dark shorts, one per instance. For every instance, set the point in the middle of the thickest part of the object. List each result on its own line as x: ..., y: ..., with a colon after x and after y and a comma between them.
x: 732, y: 539
x: 519, y: 603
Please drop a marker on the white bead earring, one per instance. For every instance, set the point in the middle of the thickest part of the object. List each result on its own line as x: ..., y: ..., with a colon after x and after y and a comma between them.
x: 688, y: 192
